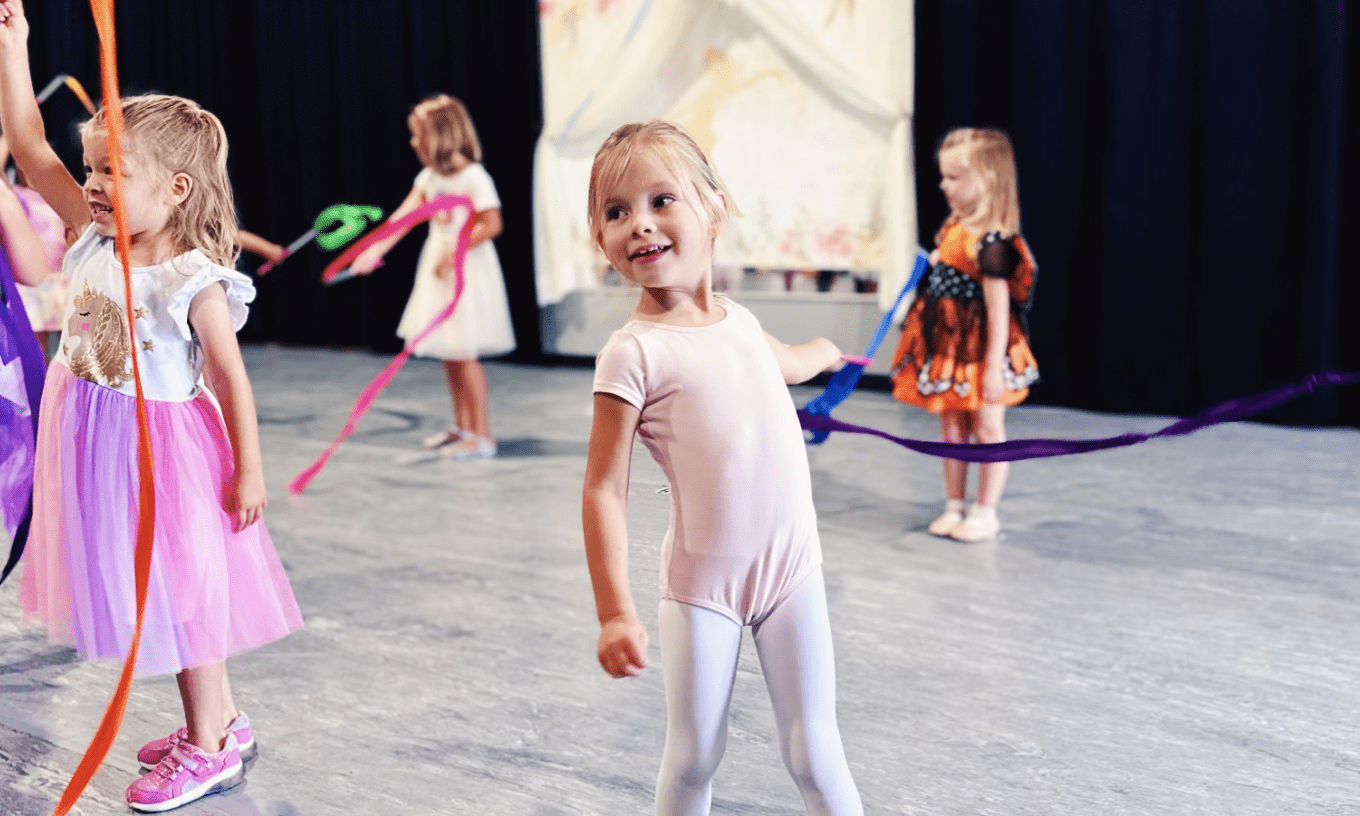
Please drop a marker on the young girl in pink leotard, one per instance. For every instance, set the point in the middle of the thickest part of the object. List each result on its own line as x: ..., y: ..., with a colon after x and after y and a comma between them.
x: 697, y: 379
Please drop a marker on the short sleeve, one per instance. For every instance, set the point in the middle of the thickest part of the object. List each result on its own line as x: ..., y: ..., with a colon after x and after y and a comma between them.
x: 422, y: 183
x: 201, y: 274
x: 997, y: 256
x: 620, y: 370
x: 481, y: 189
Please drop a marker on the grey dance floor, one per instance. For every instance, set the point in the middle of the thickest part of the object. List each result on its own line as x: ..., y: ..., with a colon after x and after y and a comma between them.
x: 1165, y: 629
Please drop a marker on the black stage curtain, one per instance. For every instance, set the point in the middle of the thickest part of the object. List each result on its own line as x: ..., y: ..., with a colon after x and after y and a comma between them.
x: 1183, y: 165
x: 1185, y: 179
x: 314, y: 96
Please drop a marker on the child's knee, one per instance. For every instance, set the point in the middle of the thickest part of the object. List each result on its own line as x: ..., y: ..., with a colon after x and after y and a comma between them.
x: 693, y: 765
x: 954, y: 426
x: 989, y: 433
x: 813, y: 756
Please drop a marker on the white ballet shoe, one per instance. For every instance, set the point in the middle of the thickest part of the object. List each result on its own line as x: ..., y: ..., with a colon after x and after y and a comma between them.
x: 980, y: 524
x: 443, y: 438
x: 948, y: 520
x: 471, y: 447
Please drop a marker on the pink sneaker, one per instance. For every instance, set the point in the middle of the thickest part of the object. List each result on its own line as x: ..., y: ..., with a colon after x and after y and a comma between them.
x: 154, y: 751
x: 186, y: 775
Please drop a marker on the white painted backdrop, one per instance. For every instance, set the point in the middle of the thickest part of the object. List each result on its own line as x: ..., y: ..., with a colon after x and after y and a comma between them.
x: 804, y: 107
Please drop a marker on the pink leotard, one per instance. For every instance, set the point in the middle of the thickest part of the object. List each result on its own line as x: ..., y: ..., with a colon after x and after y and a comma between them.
x: 719, y: 420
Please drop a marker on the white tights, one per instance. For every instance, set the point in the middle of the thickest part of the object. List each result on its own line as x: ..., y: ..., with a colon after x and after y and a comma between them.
x: 699, y: 665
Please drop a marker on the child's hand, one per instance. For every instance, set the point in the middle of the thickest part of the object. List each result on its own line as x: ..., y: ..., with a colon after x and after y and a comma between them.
x: 623, y: 647
x: 366, y: 262
x: 13, y: 24
x: 245, y: 499
x: 992, y: 387
x: 445, y: 266
x: 934, y: 257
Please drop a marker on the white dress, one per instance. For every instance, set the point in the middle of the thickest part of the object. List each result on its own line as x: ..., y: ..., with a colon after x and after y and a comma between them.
x: 480, y: 326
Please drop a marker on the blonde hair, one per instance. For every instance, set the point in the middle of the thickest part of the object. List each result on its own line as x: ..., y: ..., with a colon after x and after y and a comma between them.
x: 448, y: 131
x: 177, y: 136
x: 988, y: 153
x: 677, y: 152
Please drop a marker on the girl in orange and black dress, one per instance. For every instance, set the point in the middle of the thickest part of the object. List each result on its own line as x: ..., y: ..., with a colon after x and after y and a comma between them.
x: 964, y: 353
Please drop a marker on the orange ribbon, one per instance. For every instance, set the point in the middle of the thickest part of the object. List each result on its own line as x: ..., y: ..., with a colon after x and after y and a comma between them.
x: 79, y: 91
x: 146, y: 510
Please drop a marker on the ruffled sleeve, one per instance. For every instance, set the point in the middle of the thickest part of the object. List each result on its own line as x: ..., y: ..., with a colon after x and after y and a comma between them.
x: 997, y: 256
x: 1011, y: 260
x: 199, y: 274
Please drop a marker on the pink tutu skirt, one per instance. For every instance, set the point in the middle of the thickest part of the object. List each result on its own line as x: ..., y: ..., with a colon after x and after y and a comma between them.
x: 214, y: 593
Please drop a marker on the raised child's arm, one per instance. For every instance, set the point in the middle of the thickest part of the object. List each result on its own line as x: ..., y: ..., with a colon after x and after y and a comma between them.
x: 804, y: 361
x: 244, y: 497
x: 622, y: 649
x: 23, y: 126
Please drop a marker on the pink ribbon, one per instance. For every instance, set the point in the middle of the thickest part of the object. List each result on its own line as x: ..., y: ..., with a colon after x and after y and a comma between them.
x: 370, y: 393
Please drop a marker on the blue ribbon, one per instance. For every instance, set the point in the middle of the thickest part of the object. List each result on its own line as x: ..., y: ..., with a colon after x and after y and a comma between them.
x: 845, y: 380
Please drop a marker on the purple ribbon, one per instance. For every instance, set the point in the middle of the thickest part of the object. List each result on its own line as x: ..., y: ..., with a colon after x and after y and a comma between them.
x: 19, y: 432
x: 1017, y: 449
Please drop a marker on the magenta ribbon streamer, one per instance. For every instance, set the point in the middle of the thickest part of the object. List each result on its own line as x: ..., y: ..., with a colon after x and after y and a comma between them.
x: 1018, y: 449
x: 370, y: 393
x: 18, y: 345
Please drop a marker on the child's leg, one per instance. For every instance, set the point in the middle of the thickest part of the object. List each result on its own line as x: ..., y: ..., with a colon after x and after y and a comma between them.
x: 794, y: 644
x: 208, y: 705
x: 462, y: 411
x: 990, y: 426
x: 471, y: 396
x: 955, y: 426
x: 698, y: 666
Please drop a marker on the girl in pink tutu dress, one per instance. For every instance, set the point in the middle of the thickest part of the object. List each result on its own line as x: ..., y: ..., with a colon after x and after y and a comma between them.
x: 216, y: 585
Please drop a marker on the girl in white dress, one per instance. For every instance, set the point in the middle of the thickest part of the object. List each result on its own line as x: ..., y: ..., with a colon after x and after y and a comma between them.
x: 444, y: 139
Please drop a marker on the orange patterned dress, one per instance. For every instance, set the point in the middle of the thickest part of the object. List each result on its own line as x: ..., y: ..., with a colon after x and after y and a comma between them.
x: 939, y: 361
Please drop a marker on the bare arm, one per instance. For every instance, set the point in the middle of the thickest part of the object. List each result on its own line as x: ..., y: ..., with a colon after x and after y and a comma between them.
x: 996, y: 296
x: 804, y: 361
x: 23, y: 126
x: 622, y: 649
x: 488, y: 226
x: 22, y: 245
x: 263, y: 247
x: 368, y: 259
x: 225, y: 373
x: 484, y: 228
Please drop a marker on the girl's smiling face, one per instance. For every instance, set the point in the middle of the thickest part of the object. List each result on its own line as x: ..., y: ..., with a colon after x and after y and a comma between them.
x: 149, y: 195
x: 960, y: 183
x: 652, y: 231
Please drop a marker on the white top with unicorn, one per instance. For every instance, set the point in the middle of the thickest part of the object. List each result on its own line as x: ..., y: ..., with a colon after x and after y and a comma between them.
x: 95, y: 344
